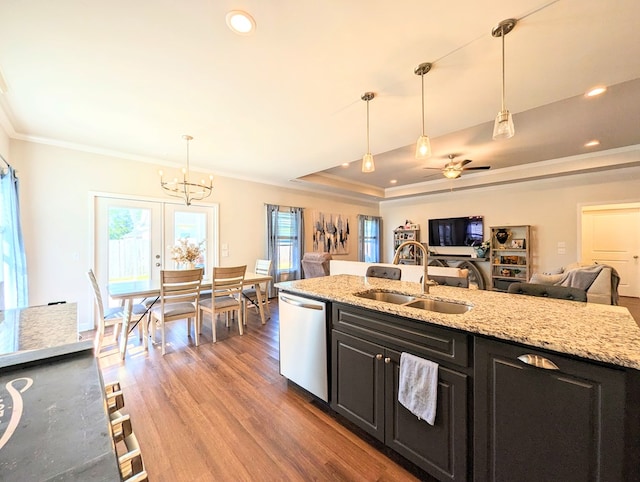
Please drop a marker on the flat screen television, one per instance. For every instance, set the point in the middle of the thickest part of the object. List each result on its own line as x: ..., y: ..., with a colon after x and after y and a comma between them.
x: 462, y: 231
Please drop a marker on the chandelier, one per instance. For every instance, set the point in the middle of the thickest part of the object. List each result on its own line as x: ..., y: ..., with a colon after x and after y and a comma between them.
x: 186, y: 189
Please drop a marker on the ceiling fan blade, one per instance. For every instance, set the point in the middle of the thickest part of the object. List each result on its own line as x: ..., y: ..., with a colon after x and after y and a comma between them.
x: 479, y: 168
x: 465, y: 162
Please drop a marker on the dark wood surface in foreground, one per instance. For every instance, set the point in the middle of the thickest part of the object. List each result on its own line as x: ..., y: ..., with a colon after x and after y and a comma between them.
x: 223, y: 412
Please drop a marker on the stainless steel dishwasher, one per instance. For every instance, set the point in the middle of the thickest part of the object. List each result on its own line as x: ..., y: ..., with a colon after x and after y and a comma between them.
x: 303, y: 343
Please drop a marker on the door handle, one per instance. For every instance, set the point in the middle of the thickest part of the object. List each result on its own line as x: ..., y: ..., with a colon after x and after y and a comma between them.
x: 538, y: 361
x: 300, y: 304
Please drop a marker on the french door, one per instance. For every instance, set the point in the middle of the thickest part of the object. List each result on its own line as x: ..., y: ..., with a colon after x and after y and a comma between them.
x: 133, y: 238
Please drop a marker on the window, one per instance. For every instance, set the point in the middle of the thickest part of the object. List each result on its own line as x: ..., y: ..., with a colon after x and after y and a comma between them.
x: 285, y: 236
x: 369, y: 245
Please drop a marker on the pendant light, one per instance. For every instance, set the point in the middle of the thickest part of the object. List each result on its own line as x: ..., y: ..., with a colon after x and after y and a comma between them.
x: 503, y: 127
x: 367, y: 159
x: 187, y: 189
x: 423, y: 146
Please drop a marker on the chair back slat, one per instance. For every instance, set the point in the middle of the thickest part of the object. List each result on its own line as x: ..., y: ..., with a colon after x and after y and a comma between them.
x: 263, y: 267
x: 178, y: 286
x: 228, y: 280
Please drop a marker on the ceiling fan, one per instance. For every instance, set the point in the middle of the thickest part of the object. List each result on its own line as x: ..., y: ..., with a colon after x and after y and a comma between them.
x: 453, y: 170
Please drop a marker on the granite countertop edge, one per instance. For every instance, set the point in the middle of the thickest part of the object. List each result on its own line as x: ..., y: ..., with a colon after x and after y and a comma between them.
x: 603, y: 333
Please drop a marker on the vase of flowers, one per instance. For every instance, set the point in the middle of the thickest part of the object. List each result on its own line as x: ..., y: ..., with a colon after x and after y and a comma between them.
x: 483, y: 249
x: 186, y: 253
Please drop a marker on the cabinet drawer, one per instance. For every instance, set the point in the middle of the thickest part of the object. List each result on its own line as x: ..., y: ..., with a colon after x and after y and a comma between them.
x: 403, y: 334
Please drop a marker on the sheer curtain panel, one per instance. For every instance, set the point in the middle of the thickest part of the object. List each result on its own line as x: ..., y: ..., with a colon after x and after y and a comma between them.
x: 285, y: 235
x: 13, y: 275
x: 369, y: 245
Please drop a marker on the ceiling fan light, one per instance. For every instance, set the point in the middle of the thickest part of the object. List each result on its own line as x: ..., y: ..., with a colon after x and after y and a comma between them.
x: 452, y: 173
x: 423, y: 147
x: 503, y: 127
x: 367, y: 163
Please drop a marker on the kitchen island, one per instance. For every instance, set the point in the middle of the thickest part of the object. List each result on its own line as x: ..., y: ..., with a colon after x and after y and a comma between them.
x: 528, y: 389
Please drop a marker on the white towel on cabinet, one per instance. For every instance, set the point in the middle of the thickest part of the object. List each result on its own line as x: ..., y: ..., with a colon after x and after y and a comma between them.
x: 418, y: 387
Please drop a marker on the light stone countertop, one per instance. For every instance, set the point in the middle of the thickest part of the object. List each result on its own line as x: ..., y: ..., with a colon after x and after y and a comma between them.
x: 593, y: 331
x: 37, y: 327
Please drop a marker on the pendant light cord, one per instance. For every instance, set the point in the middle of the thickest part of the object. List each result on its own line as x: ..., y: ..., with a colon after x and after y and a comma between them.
x: 368, y: 150
x: 502, y: 35
x: 422, y: 78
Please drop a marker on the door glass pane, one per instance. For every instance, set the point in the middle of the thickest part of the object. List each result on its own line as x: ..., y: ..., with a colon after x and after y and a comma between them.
x: 129, y: 244
x: 192, y: 226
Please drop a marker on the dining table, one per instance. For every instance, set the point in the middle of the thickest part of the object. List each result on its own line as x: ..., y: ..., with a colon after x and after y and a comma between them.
x: 129, y: 291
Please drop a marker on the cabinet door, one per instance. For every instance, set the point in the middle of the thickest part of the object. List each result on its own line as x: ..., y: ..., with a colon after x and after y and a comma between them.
x: 534, y: 424
x: 358, y: 382
x: 440, y: 449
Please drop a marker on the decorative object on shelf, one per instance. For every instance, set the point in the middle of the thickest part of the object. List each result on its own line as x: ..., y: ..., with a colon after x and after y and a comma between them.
x: 423, y: 146
x: 367, y: 160
x: 483, y: 249
x: 502, y: 236
x: 503, y: 127
x: 517, y: 243
x: 186, y: 253
x: 186, y: 189
x: 330, y: 233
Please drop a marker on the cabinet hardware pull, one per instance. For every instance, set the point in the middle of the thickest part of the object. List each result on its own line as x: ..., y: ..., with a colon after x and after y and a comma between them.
x: 379, y: 356
x: 300, y: 304
x: 538, y: 361
x: 387, y: 360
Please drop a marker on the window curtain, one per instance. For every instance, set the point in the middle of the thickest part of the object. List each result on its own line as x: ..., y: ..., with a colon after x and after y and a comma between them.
x: 369, y: 244
x: 13, y: 275
x: 285, y: 235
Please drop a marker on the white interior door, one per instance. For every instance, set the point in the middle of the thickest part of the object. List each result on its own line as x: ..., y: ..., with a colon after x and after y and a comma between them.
x: 611, y: 235
x: 128, y: 241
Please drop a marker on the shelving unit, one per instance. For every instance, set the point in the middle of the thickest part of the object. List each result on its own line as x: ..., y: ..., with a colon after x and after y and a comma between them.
x: 410, y: 254
x: 510, y: 258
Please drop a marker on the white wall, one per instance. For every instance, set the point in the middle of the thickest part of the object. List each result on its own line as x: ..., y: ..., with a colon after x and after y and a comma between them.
x: 55, y: 210
x: 551, y: 207
x: 4, y: 144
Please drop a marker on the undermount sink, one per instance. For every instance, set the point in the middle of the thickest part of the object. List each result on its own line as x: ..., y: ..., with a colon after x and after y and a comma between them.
x: 395, y: 298
x: 439, y: 306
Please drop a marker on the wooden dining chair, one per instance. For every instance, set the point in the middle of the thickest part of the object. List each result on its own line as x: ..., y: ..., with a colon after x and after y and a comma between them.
x: 250, y: 297
x: 179, y: 300
x: 108, y: 316
x: 227, y: 296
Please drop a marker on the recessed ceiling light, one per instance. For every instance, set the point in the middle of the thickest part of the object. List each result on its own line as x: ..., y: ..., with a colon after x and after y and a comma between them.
x: 240, y: 22
x: 393, y: 181
x: 596, y: 91
x: 592, y: 143
x: 345, y: 164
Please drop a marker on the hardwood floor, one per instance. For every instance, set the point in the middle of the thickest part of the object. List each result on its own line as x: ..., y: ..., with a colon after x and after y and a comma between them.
x: 633, y: 305
x: 223, y: 412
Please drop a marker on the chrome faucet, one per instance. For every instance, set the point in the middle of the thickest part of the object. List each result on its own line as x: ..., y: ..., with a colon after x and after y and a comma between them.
x: 425, y: 260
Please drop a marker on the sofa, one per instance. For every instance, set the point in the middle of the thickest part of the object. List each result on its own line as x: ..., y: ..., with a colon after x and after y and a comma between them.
x: 600, y: 281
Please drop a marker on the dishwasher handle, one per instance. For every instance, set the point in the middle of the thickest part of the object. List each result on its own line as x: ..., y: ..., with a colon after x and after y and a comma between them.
x: 293, y: 302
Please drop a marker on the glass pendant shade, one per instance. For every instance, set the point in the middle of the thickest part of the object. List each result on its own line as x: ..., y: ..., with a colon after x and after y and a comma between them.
x: 503, y: 127
x: 423, y: 147
x: 367, y: 163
